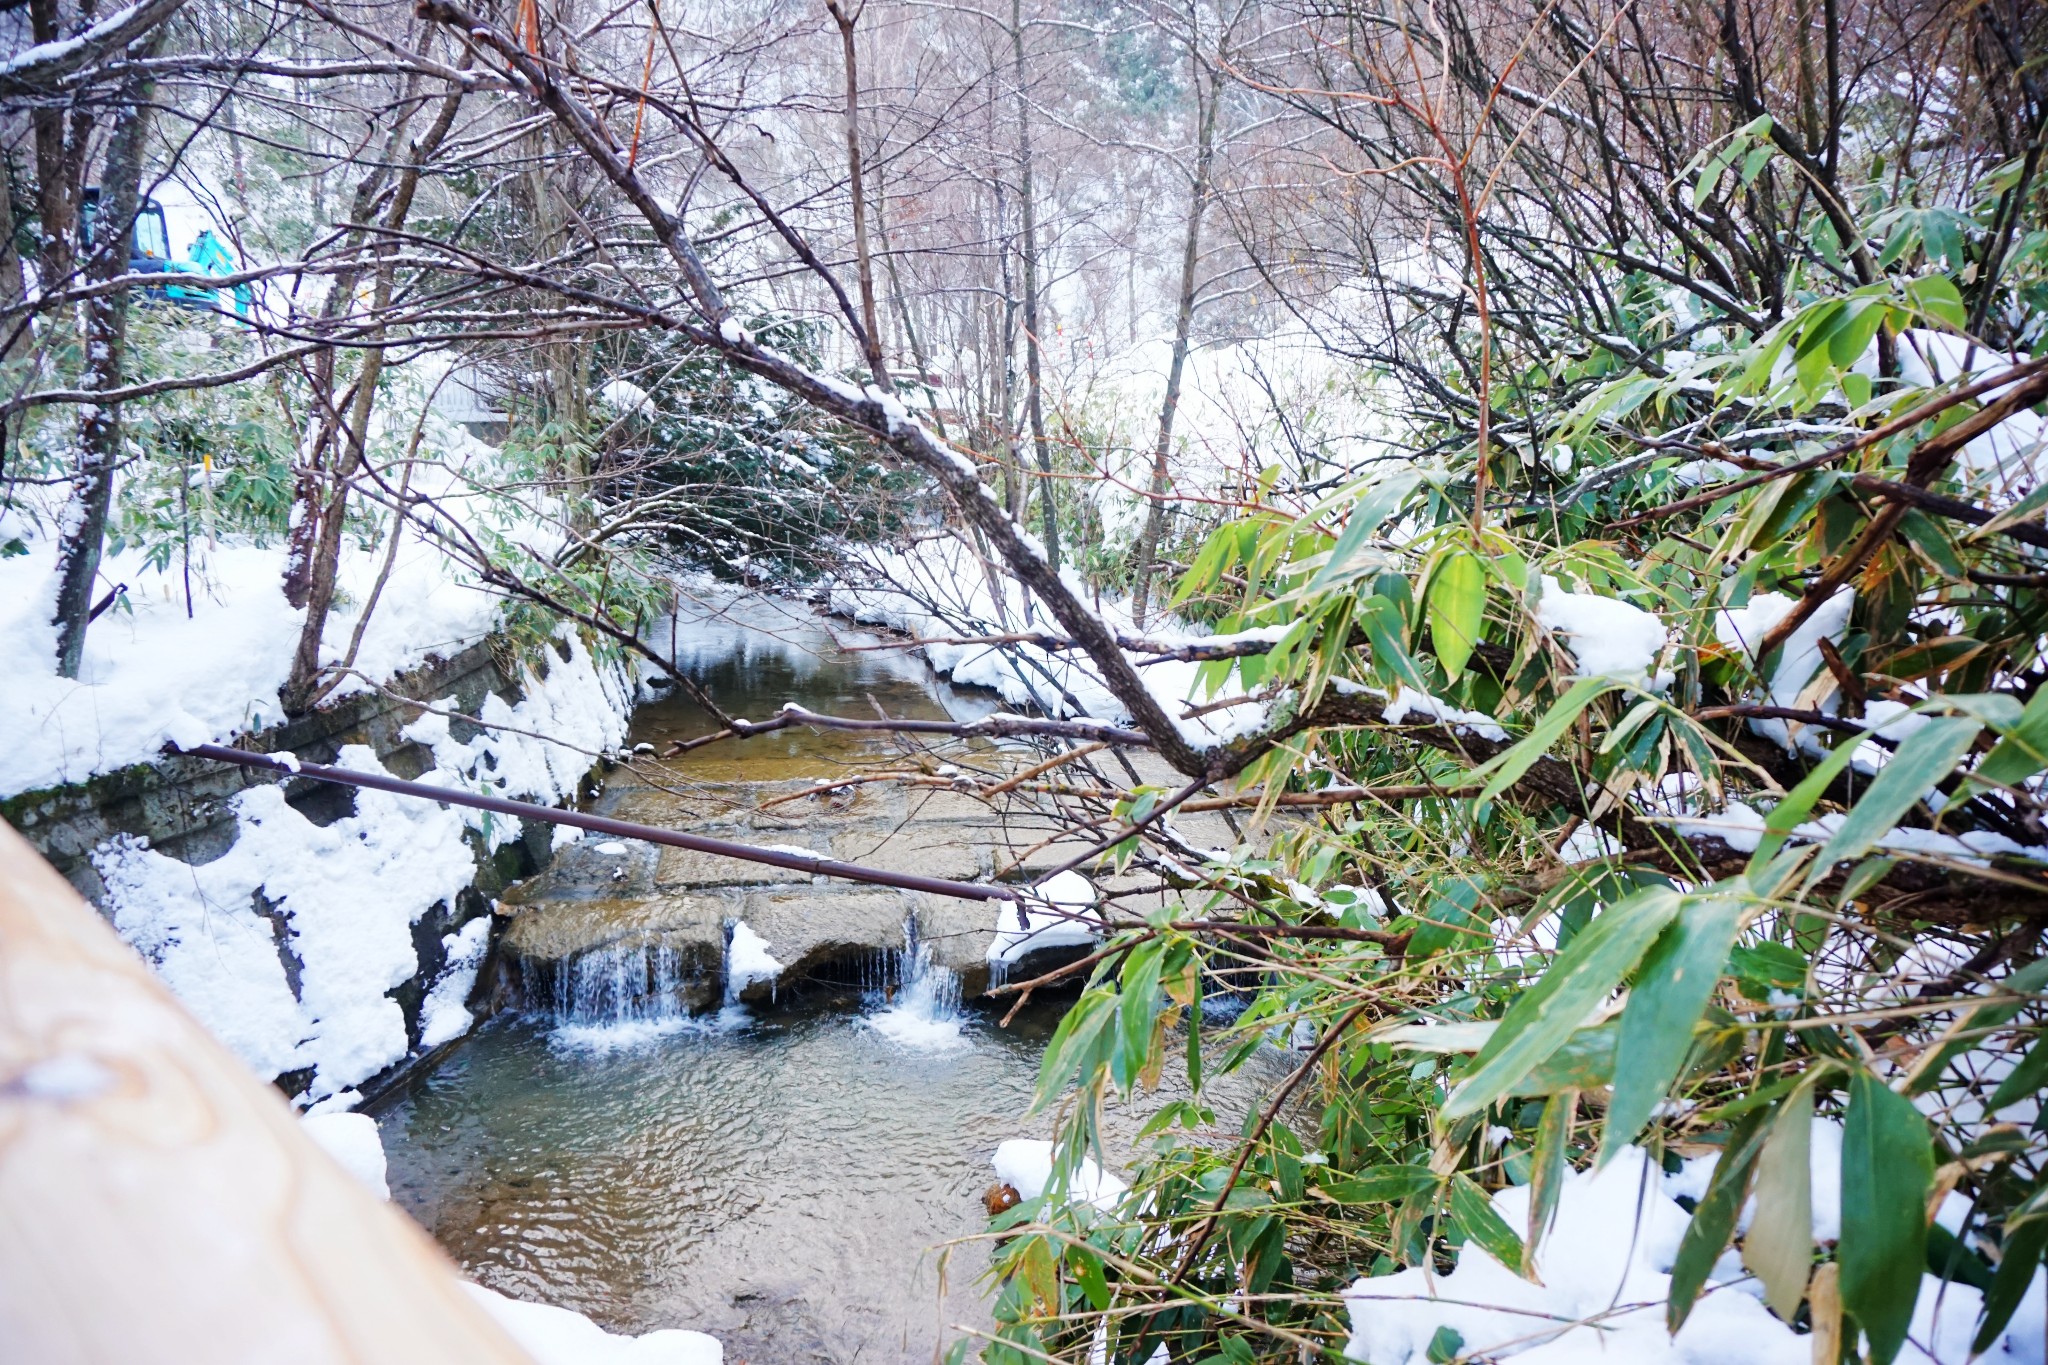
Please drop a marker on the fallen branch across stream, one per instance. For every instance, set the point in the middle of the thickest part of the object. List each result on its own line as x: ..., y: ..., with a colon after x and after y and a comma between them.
x: 1001, y: 725
x: 624, y: 829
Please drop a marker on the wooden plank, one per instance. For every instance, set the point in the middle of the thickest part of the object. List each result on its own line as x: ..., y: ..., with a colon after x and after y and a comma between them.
x: 158, y: 1203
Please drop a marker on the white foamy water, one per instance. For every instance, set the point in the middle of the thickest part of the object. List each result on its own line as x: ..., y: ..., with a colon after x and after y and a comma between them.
x: 613, y: 999
x: 925, y: 1013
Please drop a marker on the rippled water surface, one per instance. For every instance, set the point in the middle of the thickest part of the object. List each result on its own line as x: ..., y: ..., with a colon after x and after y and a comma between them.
x: 784, y: 1182
x: 780, y: 1185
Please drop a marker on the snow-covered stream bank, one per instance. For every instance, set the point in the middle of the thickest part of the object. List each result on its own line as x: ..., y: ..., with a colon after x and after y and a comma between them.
x: 326, y: 935
x: 776, y: 1172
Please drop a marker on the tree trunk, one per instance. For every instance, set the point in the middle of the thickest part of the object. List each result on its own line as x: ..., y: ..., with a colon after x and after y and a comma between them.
x: 309, y: 493
x: 13, y: 289
x: 324, y: 564
x: 60, y: 170
x: 918, y: 356
x: 1033, y: 397
x: 1015, y: 496
x: 1146, y: 554
x: 106, y: 343
x: 871, y: 338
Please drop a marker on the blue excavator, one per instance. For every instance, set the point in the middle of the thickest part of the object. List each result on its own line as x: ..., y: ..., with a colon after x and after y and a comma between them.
x: 149, y: 253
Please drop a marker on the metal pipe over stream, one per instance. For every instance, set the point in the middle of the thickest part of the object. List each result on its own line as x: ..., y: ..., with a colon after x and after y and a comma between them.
x: 624, y: 829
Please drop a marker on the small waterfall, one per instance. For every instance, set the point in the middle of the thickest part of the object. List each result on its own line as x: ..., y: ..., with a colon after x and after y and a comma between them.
x: 615, y: 996
x: 924, y: 1012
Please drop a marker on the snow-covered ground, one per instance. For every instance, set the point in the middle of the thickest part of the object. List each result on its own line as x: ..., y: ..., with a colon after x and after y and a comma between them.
x: 1025, y: 1165
x: 1603, y: 1275
x: 152, y: 675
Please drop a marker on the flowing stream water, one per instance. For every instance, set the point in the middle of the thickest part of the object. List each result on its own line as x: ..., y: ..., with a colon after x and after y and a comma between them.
x: 783, y: 1177
x: 780, y: 1183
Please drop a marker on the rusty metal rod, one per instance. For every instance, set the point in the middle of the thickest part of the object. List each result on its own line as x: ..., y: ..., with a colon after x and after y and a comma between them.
x: 624, y: 829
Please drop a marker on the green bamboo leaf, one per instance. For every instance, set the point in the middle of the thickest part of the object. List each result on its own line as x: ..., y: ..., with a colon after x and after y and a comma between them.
x: 1931, y: 540
x: 1585, y: 1062
x: 1474, y: 1215
x: 1076, y: 1044
x: 1137, y: 1011
x: 1507, y: 768
x: 1381, y: 1185
x: 1972, y: 1028
x: 2022, y: 752
x: 1457, y: 608
x: 1703, y: 188
x: 1817, y: 328
x: 1579, y: 980
x: 1448, y: 919
x: 1209, y: 562
x: 2022, y: 1080
x: 1937, y: 295
x: 1851, y: 335
x: 1373, y: 507
x: 1086, y: 1268
x: 1628, y: 724
x: 1779, y: 1247
x: 1770, y: 965
x: 1887, y: 1171
x: 1790, y: 813
x: 1713, y: 1220
x: 1381, y: 621
x: 2023, y: 1248
x: 1548, y: 1167
x: 1670, y: 993
x: 1863, y: 876
x: 1927, y: 755
x: 1036, y: 1266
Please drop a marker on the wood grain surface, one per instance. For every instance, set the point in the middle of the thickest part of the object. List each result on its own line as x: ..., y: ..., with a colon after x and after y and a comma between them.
x: 158, y: 1202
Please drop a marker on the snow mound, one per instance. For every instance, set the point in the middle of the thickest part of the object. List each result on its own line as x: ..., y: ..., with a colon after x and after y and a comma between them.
x: 628, y: 399
x: 344, y: 895
x: 444, y: 1015
x: 560, y: 1336
x: 1605, y: 1268
x: 1608, y: 638
x: 1745, y: 627
x: 747, y: 960
x: 1063, y: 920
x: 1614, y: 1240
x: 352, y: 1140
x: 1025, y: 1164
